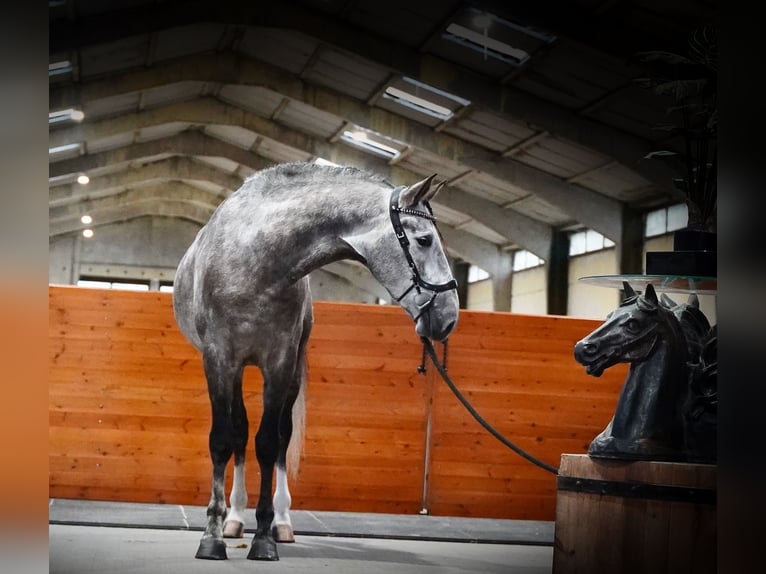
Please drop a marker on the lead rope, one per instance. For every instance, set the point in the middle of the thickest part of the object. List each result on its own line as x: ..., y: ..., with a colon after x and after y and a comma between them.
x: 429, y: 349
x: 422, y: 366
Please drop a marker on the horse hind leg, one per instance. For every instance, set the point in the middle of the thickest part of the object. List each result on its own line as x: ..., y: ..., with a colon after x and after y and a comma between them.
x: 234, y: 525
x: 291, y: 441
x: 224, y: 381
x: 281, y: 388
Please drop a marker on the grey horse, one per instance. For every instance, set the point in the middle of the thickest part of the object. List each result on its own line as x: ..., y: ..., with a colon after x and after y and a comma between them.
x: 241, y: 297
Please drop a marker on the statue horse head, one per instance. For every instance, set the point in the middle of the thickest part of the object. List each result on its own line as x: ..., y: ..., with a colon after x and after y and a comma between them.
x: 649, y: 421
x: 630, y: 333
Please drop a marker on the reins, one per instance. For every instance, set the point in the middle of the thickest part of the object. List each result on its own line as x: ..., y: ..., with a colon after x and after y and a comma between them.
x: 429, y: 349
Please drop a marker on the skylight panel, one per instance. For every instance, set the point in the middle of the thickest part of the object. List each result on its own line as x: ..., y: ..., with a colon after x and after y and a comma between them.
x: 496, y: 37
x: 370, y: 141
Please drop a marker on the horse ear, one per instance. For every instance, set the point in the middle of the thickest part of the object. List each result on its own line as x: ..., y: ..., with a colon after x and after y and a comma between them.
x: 650, y: 294
x: 694, y: 301
x: 416, y: 192
x: 667, y: 301
x: 628, y: 290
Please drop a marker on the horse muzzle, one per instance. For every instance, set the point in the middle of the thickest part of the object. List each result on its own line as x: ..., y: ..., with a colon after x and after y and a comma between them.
x: 437, y: 316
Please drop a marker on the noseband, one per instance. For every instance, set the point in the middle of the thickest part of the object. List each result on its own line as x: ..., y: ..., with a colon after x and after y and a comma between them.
x: 417, y: 281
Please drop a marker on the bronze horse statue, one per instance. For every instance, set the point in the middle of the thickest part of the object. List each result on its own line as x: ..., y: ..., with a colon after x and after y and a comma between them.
x: 667, y: 405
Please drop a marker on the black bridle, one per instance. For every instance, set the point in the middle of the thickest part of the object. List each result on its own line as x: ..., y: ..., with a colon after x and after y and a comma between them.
x: 418, y: 282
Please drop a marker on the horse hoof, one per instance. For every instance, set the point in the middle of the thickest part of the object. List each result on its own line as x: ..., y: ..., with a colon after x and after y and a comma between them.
x: 211, y: 549
x: 263, y: 549
x: 283, y: 533
x: 233, y: 529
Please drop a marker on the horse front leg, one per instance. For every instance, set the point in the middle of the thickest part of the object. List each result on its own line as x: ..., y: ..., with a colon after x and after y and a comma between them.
x: 263, y: 546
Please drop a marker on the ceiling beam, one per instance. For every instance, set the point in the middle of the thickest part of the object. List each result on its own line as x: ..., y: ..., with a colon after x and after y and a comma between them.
x: 592, y: 209
x: 147, y: 207
x: 171, y: 190
x: 216, y: 112
x: 176, y: 168
x: 190, y: 143
x: 629, y: 150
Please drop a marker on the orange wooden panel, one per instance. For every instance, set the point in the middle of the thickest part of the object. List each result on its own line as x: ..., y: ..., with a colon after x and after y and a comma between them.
x: 129, y: 413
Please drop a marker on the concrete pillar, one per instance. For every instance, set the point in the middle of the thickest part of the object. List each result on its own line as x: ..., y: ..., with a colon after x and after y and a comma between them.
x: 502, y: 283
x: 460, y: 272
x: 558, y: 274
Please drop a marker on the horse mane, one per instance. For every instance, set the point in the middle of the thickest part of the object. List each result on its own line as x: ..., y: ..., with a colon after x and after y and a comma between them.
x: 694, y: 324
x: 284, y: 177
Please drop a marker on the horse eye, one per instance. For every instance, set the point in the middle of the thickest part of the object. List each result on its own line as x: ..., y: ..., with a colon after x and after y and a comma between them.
x: 425, y: 240
x: 632, y: 325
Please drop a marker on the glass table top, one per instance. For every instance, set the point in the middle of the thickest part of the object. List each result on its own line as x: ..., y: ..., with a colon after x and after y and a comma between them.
x: 666, y: 283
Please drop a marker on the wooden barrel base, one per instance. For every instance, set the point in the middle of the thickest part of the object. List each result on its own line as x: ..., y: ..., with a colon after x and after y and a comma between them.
x: 634, y: 517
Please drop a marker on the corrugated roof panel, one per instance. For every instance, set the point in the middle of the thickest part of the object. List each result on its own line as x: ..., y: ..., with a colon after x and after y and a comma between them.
x: 282, y: 48
x: 559, y: 158
x: 280, y: 153
x: 618, y: 182
x: 97, y: 145
x: 477, y: 228
x: 309, y: 119
x: 489, y: 130
x: 161, y: 131
x: 185, y: 40
x: 261, y: 101
x: 235, y: 135
x: 346, y: 74
x: 491, y: 188
x: 129, y: 52
x: 426, y: 163
x: 111, y: 106
x: 219, y: 163
x: 167, y: 93
x: 534, y: 207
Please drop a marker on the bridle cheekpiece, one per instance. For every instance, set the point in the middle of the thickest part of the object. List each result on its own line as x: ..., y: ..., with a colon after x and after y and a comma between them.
x: 417, y: 280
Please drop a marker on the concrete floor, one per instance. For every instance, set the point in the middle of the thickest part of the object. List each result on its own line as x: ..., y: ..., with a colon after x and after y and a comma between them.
x: 118, y: 538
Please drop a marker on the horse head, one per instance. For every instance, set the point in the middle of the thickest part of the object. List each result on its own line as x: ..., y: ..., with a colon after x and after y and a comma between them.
x: 628, y: 335
x: 405, y: 253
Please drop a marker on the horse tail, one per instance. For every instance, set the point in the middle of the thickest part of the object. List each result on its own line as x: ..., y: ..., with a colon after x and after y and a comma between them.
x: 295, y: 448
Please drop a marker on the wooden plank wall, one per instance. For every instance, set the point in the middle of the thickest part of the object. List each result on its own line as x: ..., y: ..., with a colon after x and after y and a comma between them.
x: 129, y: 413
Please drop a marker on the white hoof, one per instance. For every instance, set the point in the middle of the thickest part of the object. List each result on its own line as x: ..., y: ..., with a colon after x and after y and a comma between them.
x: 233, y: 529
x: 283, y: 533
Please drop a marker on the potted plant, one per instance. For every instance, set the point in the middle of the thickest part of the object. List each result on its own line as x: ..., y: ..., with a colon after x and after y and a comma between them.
x: 691, y: 83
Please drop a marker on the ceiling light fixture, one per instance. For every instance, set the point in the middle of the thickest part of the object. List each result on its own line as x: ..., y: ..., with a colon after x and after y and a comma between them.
x: 60, y: 67
x: 87, y: 233
x: 86, y: 219
x: 66, y: 115
x: 419, y: 104
x: 83, y: 179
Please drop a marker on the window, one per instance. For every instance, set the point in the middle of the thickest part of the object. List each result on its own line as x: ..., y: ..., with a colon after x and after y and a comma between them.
x: 476, y: 274
x: 588, y: 241
x: 107, y: 284
x: 524, y: 259
x: 665, y: 220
